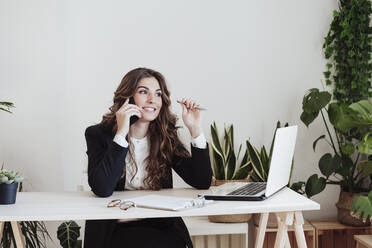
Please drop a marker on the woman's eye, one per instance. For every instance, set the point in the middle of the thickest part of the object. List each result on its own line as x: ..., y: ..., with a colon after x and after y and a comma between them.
x: 142, y: 91
x: 158, y: 94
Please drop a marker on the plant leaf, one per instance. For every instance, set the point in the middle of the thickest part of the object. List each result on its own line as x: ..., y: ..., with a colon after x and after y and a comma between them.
x: 308, y: 118
x: 216, y: 140
x: 365, y: 145
x: 362, y: 206
x: 366, y: 168
x: 265, y: 161
x: 325, y: 165
x: 242, y: 172
x: 218, y: 168
x: 218, y: 158
x: 347, y: 149
x: 342, y: 117
x: 256, y: 161
x: 314, y: 100
x: 364, y: 108
x: 316, y: 141
x: 68, y: 233
x: 297, y: 187
x: 315, y: 185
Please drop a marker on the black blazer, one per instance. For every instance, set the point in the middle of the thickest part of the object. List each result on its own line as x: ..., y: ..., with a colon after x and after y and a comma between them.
x: 105, y: 166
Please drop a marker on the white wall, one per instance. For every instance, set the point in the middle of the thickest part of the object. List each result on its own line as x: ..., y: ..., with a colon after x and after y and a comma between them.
x: 248, y: 62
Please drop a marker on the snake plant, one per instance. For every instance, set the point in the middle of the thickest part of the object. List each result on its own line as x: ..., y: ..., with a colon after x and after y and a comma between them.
x: 224, y: 158
x: 260, y: 160
x: 5, y: 106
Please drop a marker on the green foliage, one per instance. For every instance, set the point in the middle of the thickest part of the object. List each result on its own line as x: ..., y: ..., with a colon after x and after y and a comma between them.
x: 260, y: 160
x: 68, y: 234
x: 8, y: 177
x: 362, y: 207
x: 224, y: 159
x: 341, y: 167
x: 348, y: 48
x: 5, y: 106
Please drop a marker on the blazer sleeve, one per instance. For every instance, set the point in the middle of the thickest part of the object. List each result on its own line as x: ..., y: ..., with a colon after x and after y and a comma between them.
x: 105, y: 161
x: 196, y: 170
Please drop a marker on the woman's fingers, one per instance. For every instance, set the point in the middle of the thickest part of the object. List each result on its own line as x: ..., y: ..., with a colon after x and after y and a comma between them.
x: 127, y: 106
x: 131, y: 106
x: 124, y: 104
x: 190, y: 104
x: 132, y: 112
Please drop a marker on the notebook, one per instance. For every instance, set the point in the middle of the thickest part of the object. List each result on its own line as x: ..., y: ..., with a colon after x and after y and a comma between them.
x: 168, y: 202
x: 280, y: 169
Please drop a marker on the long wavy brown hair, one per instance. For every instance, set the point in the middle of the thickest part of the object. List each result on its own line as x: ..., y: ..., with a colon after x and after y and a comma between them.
x: 162, y: 133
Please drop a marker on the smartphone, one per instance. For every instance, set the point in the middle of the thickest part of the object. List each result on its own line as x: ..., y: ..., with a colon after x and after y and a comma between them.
x: 133, y: 118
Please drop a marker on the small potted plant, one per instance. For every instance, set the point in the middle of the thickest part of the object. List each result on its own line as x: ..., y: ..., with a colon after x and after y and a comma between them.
x: 8, y: 186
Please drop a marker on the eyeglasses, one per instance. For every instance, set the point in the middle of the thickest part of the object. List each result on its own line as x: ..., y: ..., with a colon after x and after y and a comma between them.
x: 123, y: 205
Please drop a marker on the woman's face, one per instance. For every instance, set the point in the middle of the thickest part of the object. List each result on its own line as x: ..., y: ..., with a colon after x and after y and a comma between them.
x: 148, y: 98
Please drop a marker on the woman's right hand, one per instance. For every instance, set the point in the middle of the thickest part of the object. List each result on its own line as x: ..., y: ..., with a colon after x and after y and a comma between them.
x: 123, y: 116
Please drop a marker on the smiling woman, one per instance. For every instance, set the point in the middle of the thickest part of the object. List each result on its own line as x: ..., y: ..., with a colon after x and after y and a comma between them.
x: 126, y: 154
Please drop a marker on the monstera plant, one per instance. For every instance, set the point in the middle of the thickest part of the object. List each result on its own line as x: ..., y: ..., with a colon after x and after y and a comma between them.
x: 344, y: 166
x: 349, y: 136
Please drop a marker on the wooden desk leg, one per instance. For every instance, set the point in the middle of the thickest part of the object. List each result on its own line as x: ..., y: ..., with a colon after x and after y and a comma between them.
x: 287, y: 243
x: 18, y: 234
x: 1, y: 229
x: 261, y: 230
x: 299, y: 230
x: 284, y: 220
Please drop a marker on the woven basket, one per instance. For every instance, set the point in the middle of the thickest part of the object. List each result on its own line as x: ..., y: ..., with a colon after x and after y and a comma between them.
x: 229, y: 218
x: 344, y: 205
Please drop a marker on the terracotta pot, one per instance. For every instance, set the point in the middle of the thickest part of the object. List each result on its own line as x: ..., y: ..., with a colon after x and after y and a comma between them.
x: 344, y: 205
x: 229, y: 218
x: 272, y: 222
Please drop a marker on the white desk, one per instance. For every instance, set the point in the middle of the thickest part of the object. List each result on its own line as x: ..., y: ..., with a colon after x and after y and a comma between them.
x: 60, y: 206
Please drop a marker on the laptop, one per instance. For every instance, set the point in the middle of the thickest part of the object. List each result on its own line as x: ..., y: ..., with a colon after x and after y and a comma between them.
x: 279, y: 173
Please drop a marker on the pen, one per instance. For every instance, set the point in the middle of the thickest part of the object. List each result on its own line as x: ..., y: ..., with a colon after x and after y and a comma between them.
x: 200, y: 108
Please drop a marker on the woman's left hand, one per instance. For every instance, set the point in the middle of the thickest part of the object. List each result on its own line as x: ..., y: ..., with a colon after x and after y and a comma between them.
x: 191, y: 116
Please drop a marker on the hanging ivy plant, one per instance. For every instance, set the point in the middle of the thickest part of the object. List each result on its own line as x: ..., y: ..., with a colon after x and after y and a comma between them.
x: 348, y: 49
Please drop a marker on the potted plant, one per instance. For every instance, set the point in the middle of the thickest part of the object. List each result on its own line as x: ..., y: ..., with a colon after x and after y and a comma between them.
x: 344, y: 167
x: 8, y: 185
x: 227, y: 168
x: 224, y: 159
x: 347, y: 47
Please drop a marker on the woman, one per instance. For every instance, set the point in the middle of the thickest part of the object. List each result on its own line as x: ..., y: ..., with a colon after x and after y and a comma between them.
x: 123, y: 155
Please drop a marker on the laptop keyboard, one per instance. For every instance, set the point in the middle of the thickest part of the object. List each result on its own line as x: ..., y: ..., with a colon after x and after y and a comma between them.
x: 249, y: 189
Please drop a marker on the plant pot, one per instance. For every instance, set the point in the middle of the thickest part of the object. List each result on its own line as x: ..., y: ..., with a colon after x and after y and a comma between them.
x: 229, y: 218
x: 272, y: 221
x: 8, y: 193
x: 344, y: 205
